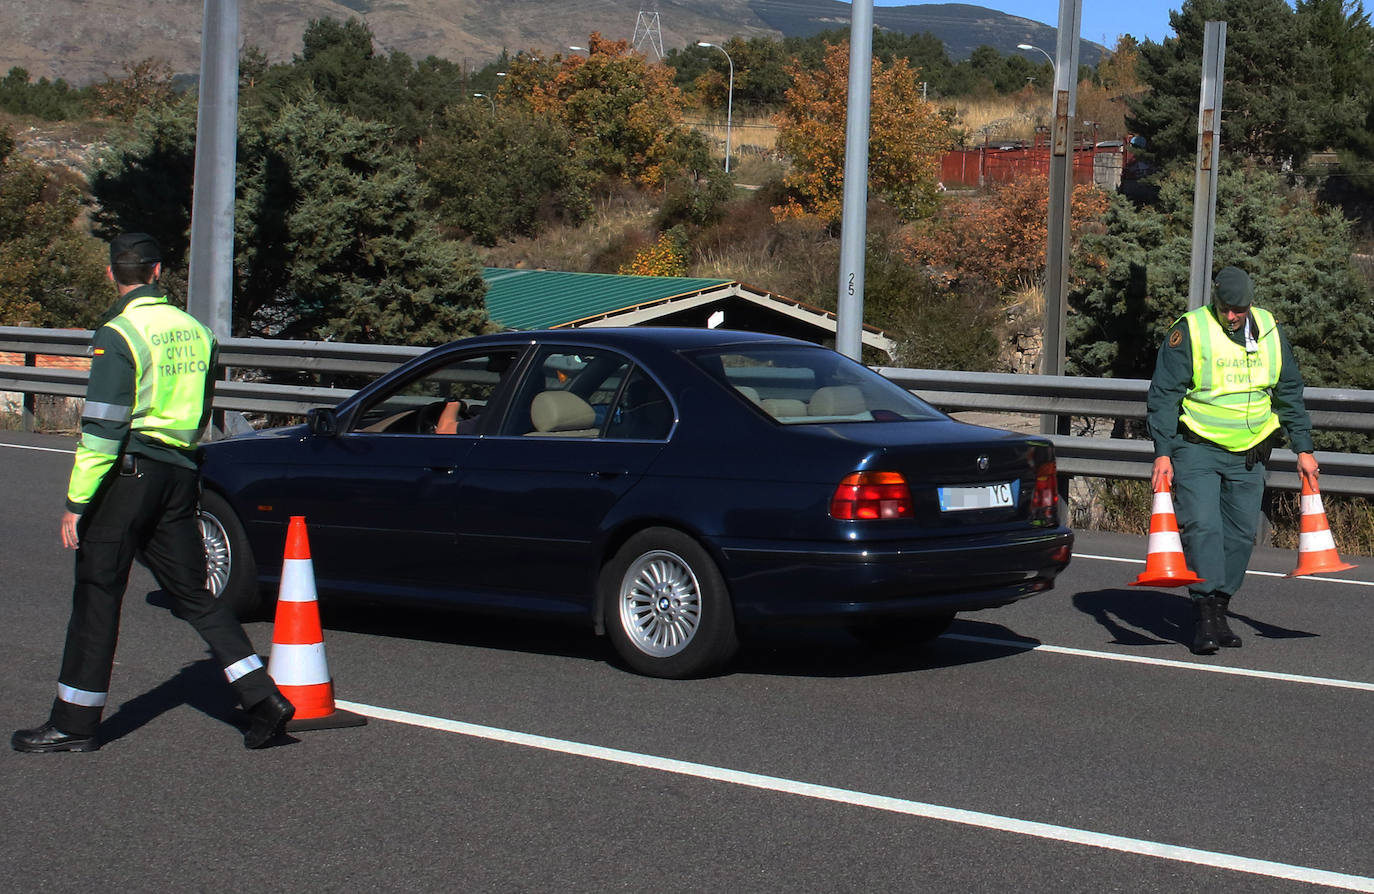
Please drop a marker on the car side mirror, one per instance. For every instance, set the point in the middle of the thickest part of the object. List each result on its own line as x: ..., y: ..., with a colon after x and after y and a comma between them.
x: 323, y: 421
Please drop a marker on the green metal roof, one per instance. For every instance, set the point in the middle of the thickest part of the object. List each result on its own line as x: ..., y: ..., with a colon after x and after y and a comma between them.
x: 547, y: 299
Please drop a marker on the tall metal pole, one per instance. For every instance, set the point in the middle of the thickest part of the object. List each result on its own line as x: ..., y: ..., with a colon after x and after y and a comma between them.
x: 849, y: 315
x: 729, y: 98
x: 211, y: 288
x: 1061, y: 194
x: 1208, y: 154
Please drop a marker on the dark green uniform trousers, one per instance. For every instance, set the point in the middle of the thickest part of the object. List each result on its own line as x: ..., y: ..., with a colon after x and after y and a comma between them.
x: 1218, y: 502
x: 153, y: 510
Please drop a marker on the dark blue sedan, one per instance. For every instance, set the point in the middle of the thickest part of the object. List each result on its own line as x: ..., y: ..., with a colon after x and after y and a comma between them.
x: 668, y: 487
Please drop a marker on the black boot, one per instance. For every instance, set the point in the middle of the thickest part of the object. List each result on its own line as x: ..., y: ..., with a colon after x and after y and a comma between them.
x: 267, y: 720
x: 48, y: 738
x: 1204, y: 626
x: 1225, y: 635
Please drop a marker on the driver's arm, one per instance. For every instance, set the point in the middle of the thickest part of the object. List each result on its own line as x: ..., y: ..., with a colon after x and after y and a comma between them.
x: 449, y: 416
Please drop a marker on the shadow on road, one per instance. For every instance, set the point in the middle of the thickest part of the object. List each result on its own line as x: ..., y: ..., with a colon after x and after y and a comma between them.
x: 200, y: 685
x: 824, y: 652
x: 1148, y: 617
x: 785, y: 650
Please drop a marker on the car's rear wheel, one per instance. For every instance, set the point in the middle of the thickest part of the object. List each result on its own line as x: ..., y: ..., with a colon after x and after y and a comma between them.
x: 892, y: 633
x: 231, y: 573
x: 666, y: 607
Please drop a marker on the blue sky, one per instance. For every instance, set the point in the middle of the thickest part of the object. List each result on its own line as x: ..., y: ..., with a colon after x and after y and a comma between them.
x: 1102, y: 22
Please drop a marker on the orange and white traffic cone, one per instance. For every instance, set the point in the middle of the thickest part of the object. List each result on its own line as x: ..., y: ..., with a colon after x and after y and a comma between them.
x: 1316, y: 547
x: 297, y: 664
x: 1165, y: 565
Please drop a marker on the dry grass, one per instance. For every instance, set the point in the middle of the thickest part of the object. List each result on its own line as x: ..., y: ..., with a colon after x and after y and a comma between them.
x: 578, y: 248
x: 1030, y: 299
x: 755, y: 134
x: 1000, y: 118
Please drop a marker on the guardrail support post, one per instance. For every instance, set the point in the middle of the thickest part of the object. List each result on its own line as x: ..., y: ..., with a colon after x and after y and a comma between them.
x: 27, y: 414
x: 1060, y: 199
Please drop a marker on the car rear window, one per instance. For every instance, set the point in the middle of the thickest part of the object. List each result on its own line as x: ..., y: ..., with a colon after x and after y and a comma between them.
x: 805, y: 385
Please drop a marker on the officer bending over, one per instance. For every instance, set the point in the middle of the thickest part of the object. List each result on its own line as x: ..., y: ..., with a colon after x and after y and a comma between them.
x: 1225, y: 382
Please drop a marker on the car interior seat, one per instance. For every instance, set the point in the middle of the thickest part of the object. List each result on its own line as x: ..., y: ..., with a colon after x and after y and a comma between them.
x: 562, y: 414
x: 837, y: 400
x: 750, y: 392
x: 780, y: 407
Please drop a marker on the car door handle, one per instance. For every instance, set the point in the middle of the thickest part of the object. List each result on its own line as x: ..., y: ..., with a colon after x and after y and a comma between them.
x: 610, y: 473
x: 441, y: 470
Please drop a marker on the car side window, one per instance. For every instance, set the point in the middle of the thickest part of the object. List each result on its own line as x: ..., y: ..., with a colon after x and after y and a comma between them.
x: 440, y: 398
x: 569, y: 392
x: 642, y: 412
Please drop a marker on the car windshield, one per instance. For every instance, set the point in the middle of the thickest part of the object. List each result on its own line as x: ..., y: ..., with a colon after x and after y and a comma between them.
x: 801, y: 385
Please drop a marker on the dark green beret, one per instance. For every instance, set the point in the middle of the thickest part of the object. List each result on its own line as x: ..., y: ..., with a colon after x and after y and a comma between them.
x: 1233, y: 287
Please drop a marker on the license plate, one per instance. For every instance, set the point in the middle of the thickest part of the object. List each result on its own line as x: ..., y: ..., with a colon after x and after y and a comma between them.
x: 986, y: 496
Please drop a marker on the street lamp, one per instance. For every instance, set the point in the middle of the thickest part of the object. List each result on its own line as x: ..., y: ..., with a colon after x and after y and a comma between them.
x: 1026, y: 46
x: 1053, y: 69
x: 488, y: 99
x: 729, y: 99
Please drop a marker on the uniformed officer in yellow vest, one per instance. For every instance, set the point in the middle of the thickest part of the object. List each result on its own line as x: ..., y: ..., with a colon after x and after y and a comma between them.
x: 134, y: 488
x: 1225, y: 383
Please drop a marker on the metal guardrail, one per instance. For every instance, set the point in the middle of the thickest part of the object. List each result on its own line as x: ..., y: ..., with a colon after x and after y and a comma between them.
x: 952, y: 391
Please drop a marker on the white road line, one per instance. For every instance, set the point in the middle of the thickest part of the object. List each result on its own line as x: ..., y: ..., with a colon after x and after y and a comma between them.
x: 1023, y: 645
x: 40, y: 449
x: 1176, y: 853
x: 1311, y: 577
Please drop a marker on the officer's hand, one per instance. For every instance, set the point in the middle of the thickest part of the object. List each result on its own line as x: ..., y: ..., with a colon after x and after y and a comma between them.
x: 69, y: 538
x: 1162, y: 478
x: 1308, y: 470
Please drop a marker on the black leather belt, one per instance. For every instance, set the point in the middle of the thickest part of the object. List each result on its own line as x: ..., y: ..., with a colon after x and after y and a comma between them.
x: 1193, y: 437
x: 1257, y: 454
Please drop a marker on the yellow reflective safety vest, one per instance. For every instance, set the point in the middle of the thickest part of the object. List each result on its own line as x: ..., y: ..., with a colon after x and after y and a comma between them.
x: 1229, y: 403
x: 150, y: 384
x: 173, y: 353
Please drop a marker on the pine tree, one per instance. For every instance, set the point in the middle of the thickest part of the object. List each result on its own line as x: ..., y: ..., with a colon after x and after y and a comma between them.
x: 332, y: 240
x: 1135, y: 277
x: 1276, y: 94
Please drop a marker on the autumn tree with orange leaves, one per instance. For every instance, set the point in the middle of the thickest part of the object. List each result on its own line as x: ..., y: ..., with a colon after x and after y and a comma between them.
x: 624, y: 114
x: 1000, y: 237
x: 907, y: 136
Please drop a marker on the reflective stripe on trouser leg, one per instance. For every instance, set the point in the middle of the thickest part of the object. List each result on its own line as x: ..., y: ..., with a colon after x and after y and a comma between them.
x: 77, y: 712
x: 81, y: 697
x: 242, y: 668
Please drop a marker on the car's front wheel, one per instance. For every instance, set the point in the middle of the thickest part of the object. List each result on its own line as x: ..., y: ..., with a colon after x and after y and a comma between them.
x: 666, y: 607
x: 231, y: 573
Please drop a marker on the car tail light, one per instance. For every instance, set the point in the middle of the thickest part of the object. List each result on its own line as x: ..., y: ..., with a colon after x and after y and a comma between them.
x: 862, y: 495
x: 1044, y: 505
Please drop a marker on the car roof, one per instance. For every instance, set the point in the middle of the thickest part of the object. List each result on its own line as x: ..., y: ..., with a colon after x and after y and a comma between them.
x: 661, y: 337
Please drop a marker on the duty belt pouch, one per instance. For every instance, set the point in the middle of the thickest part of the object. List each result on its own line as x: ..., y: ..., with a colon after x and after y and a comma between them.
x: 1259, y: 453
x: 128, y: 465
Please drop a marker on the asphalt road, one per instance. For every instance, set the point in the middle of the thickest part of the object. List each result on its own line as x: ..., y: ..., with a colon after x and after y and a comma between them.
x: 1068, y: 743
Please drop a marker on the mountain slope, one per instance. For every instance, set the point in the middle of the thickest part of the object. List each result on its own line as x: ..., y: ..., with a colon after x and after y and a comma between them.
x: 88, y: 40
